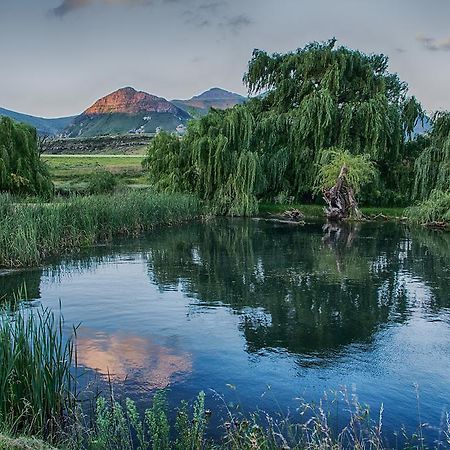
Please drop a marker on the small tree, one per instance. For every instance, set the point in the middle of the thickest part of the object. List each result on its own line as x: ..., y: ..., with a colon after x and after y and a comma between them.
x: 21, y: 169
x: 340, y: 178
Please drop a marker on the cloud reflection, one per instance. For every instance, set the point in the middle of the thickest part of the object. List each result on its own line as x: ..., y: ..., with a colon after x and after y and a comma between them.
x: 122, y: 357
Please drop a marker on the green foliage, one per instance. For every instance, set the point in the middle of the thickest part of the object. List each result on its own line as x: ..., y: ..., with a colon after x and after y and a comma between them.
x: 315, y: 98
x: 102, y: 182
x: 165, y: 162
x: 157, y: 422
x: 32, y: 232
x: 36, y: 383
x: 21, y: 169
x: 361, y: 170
x: 435, y: 209
x: 124, y: 428
x: 433, y: 164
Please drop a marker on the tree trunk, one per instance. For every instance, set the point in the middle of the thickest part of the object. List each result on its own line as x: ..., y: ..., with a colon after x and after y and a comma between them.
x: 340, y: 200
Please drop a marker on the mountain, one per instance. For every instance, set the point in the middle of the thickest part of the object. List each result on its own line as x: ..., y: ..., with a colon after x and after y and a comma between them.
x: 423, y: 127
x: 43, y: 126
x: 213, y: 98
x: 127, y: 110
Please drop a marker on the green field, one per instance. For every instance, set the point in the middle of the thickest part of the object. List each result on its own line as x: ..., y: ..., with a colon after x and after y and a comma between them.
x: 72, y: 172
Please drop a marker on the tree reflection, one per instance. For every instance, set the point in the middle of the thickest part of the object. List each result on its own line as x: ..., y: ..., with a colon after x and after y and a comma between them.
x: 26, y: 284
x: 307, y: 289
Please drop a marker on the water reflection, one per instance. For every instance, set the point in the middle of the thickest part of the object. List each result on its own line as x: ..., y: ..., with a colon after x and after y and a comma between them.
x: 27, y: 283
x: 319, y: 290
x: 252, y: 303
x: 118, y: 357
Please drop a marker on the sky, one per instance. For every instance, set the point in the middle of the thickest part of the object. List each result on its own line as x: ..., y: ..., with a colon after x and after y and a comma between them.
x: 59, y: 56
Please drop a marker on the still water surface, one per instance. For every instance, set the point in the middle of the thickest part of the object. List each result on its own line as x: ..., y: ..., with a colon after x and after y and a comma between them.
x: 264, y: 314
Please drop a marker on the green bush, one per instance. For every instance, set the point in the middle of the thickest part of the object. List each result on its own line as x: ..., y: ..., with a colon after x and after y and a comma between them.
x: 435, y: 209
x: 21, y: 170
x: 102, y: 182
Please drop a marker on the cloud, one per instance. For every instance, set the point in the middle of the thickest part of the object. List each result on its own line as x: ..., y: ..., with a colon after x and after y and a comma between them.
x: 433, y: 44
x: 68, y: 6
x: 238, y: 22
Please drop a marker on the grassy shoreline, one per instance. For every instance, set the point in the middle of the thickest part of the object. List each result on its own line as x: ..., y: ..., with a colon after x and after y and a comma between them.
x: 33, y: 232
x: 316, y: 211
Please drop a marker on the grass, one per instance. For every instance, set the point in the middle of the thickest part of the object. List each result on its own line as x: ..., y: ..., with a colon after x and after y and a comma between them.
x: 435, y: 211
x: 37, y: 387
x: 316, y: 211
x: 74, y: 172
x: 23, y: 443
x: 30, y: 233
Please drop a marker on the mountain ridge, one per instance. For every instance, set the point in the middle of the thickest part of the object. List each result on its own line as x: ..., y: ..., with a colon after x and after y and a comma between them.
x: 128, y: 110
x: 44, y: 126
x: 215, y: 97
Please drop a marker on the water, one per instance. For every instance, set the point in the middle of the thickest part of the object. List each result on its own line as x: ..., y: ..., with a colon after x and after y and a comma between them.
x: 262, y: 314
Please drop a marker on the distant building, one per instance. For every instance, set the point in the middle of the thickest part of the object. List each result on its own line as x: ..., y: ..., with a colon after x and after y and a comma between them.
x: 181, y: 129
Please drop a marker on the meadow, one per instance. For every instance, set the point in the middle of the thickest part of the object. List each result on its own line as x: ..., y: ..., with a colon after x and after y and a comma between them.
x: 72, y: 173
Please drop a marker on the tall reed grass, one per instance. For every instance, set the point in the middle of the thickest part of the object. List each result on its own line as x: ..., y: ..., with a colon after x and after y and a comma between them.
x: 37, y: 382
x: 434, y: 210
x: 29, y: 233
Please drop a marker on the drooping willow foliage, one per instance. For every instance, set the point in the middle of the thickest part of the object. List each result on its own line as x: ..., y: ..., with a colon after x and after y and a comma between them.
x: 432, y: 167
x: 304, y: 102
x: 21, y: 169
x: 361, y: 170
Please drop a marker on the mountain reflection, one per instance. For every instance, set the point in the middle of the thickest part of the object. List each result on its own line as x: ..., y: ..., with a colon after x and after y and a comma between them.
x: 120, y: 357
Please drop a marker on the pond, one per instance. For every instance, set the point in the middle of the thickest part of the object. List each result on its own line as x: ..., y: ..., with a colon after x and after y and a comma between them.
x: 264, y: 315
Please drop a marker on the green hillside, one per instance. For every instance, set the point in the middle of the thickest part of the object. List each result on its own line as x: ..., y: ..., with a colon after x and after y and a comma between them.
x: 43, y: 126
x: 119, y: 123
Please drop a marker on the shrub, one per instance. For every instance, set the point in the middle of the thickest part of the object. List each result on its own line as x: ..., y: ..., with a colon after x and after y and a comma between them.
x: 435, y: 209
x: 102, y: 182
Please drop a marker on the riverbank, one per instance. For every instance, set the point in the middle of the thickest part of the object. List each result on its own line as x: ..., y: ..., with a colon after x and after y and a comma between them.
x: 314, y: 211
x: 32, y: 232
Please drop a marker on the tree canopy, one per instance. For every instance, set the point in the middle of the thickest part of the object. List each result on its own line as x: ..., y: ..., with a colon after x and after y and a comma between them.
x: 432, y: 166
x: 21, y: 169
x: 304, y: 102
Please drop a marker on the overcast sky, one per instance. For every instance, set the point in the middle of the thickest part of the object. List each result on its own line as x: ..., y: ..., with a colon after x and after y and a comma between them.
x: 59, y: 56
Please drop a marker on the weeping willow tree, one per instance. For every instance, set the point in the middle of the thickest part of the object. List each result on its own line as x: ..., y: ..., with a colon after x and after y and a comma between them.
x: 21, y: 169
x: 433, y: 164
x: 304, y: 102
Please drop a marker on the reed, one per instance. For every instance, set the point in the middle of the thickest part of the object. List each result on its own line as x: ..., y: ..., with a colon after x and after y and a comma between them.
x: 433, y: 211
x: 30, y: 233
x: 37, y: 382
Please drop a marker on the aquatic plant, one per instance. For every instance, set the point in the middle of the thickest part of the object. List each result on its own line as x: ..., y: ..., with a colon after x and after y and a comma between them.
x: 29, y: 233
x: 123, y: 427
x: 37, y: 385
x: 434, y: 210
